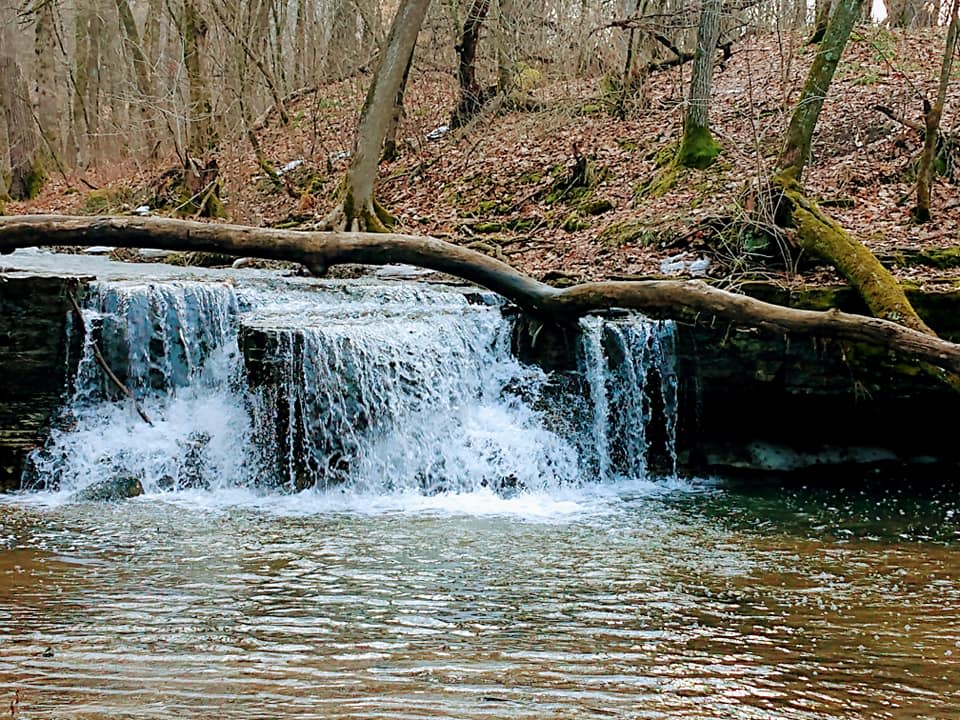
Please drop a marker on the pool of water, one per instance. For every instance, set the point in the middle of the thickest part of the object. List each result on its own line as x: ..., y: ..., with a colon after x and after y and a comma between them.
x: 669, y: 599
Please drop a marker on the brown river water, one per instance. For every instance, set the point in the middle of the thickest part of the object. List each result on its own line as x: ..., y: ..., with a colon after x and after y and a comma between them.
x: 643, y: 600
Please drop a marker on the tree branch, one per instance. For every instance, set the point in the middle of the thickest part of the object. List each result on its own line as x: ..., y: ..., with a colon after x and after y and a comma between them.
x: 320, y: 250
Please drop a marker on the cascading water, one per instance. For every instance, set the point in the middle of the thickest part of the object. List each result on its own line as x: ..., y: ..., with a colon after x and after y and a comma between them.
x: 172, y: 344
x: 630, y: 369
x: 420, y: 392
x: 374, y: 387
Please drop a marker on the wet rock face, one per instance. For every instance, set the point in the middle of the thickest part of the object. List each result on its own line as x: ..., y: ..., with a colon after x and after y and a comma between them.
x: 38, y: 356
x: 756, y: 401
x: 752, y: 401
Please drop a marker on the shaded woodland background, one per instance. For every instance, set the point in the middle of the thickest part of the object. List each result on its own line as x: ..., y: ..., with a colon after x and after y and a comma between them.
x: 110, y: 105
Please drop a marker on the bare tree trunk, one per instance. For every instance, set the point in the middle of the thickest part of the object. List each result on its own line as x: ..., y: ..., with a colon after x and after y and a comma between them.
x: 472, y: 97
x: 796, y: 150
x: 821, y: 17
x: 932, y: 114
x: 304, y: 52
x: 257, y: 58
x: 912, y: 13
x: 142, y: 71
x: 343, y: 53
x: 358, y: 209
x: 152, y: 31
x: 390, y: 149
x: 201, y: 135
x: 20, y: 165
x: 817, y: 232
x: 87, y: 82
x: 506, y: 47
x: 698, y: 148
x: 47, y: 86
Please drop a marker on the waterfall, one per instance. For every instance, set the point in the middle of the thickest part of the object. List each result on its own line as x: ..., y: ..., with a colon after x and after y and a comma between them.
x: 630, y: 370
x: 173, y: 345
x: 361, y: 386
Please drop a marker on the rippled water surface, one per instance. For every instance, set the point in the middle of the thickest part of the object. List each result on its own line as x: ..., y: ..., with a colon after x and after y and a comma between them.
x: 643, y: 600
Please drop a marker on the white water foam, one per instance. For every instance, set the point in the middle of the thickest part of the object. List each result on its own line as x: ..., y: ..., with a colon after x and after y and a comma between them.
x: 384, y: 398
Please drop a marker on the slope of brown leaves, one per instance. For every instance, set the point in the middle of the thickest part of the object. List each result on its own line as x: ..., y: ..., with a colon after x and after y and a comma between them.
x: 489, y: 184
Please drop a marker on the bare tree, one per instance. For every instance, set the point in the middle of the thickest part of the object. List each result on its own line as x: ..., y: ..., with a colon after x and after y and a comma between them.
x: 816, y: 232
x: 358, y: 209
x: 47, y: 89
x: 201, y: 134
x: 472, y: 95
x: 20, y: 165
x: 912, y: 13
x: 698, y: 148
x: 932, y: 113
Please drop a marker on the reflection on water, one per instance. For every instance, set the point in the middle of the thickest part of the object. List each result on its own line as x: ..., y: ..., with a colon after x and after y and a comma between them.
x: 633, y: 602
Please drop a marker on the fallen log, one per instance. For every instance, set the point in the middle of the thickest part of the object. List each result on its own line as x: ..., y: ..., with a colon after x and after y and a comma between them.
x: 321, y: 250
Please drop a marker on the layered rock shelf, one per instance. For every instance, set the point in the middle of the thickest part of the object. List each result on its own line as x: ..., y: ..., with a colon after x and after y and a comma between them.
x: 750, y: 401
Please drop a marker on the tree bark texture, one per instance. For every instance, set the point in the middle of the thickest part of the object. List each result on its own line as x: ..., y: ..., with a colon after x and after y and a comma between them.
x: 932, y: 113
x: 142, y: 72
x: 471, y: 93
x: 663, y: 298
x: 359, y: 209
x: 19, y: 145
x: 698, y: 148
x: 796, y: 149
x: 201, y: 135
x: 47, y: 77
x: 817, y: 232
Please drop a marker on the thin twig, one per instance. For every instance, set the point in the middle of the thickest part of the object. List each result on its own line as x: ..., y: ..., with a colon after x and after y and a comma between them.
x: 106, y: 368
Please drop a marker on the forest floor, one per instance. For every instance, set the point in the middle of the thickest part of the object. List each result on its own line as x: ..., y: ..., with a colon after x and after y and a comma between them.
x: 498, y: 185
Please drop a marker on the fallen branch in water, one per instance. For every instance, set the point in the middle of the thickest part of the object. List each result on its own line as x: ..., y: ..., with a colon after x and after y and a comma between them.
x: 321, y: 250
x: 102, y: 362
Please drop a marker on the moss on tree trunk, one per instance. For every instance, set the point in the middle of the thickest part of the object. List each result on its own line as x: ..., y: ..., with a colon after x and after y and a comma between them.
x: 698, y: 148
x: 822, y: 236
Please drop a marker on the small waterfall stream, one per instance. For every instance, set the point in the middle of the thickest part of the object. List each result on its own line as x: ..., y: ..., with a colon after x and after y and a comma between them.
x: 373, y: 386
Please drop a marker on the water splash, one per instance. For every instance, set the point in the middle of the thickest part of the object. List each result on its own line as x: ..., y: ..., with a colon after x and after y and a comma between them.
x: 363, y: 388
x: 173, y: 345
x: 428, y: 399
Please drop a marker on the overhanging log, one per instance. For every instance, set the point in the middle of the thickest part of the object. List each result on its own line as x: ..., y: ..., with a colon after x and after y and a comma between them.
x: 321, y: 250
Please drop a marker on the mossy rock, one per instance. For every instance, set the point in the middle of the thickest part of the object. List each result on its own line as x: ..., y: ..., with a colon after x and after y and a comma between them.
x: 575, y: 222
x: 664, y: 156
x: 33, y: 180
x: 485, y: 228
x: 109, y: 200
x: 595, y: 206
x: 947, y: 258
x: 631, y: 232
x: 660, y: 183
x: 527, y: 78
x: 520, y: 224
x: 489, y: 207
x: 112, y: 490
x: 199, y: 259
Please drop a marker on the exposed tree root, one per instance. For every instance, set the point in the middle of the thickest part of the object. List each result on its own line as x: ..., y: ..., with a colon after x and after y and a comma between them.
x: 371, y: 217
x: 320, y: 250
